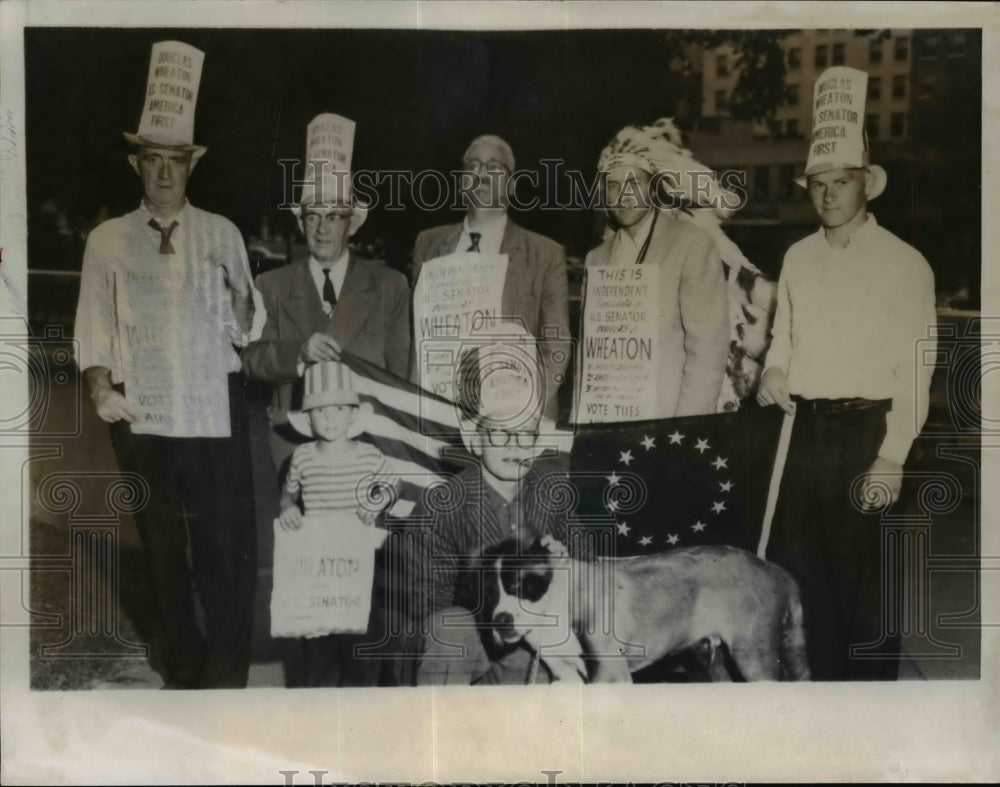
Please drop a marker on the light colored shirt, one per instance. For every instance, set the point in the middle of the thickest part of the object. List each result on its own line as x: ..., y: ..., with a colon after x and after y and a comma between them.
x: 624, y: 248
x: 338, y: 270
x: 127, y: 247
x: 337, y: 485
x: 490, y: 236
x: 857, y: 322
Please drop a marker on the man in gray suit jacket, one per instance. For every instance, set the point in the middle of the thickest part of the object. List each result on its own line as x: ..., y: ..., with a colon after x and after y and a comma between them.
x: 535, y: 291
x: 325, y: 303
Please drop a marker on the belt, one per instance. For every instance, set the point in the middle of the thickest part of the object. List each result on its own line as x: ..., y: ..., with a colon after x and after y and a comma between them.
x: 833, y: 406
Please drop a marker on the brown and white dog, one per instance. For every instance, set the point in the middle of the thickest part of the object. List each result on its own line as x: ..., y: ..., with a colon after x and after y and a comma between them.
x: 602, y: 620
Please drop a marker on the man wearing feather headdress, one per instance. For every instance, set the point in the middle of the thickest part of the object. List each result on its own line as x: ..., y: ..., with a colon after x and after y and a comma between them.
x: 664, y: 209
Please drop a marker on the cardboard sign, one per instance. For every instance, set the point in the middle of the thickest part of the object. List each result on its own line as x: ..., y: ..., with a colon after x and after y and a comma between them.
x: 456, y: 297
x: 620, y: 350
x: 160, y: 318
x: 329, y: 150
x: 171, y: 92
x: 323, y: 575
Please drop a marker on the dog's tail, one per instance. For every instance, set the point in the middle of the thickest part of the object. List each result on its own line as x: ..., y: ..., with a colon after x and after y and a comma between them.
x: 793, y: 636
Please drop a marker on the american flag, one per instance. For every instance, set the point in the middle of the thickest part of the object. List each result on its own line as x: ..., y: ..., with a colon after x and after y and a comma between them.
x: 677, y: 482
x: 418, y: 431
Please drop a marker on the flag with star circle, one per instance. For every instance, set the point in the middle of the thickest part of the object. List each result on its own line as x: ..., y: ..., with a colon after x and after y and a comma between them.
x: 656, y: 485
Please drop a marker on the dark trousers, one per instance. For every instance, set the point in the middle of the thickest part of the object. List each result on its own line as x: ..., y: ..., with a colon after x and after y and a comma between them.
x: 833, y: 550
x: 201, y: 497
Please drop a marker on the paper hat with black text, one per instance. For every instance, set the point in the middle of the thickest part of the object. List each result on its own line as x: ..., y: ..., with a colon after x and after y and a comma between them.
x: 329, y: 151
x: 838, y: 135
x: 171, y: 96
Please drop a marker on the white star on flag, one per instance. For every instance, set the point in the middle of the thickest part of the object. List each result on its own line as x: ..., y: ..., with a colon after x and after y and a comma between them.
x: 719, y: 463
x: 626, y: 457
x: 613, y: 479
x: 623, y: 528
x: 697, y: 527
x: 645, y: 541
x: 648, y: 442
x: 675, y: 438
x: 719, y: 507
x: 612, y: 506
x: 672, y: 539
x: 726, y: 486
x: 702, y: 446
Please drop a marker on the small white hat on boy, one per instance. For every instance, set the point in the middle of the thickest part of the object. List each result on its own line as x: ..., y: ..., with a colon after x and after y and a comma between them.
x: 838, y: 137
x: 171, y: 96
x: 326, y: 383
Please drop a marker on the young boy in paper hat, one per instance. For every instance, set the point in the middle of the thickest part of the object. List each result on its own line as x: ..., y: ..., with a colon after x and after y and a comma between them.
x: 854, y: 303
x: 334, y: 472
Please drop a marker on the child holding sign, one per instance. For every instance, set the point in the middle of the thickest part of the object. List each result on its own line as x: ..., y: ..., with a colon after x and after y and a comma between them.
x: 323, y: 582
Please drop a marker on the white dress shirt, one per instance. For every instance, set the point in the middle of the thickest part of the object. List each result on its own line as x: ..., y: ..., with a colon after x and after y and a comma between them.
x: 490, y: 236
x: 625, y: 248
x: 856, y: 322
x: 338, y: 270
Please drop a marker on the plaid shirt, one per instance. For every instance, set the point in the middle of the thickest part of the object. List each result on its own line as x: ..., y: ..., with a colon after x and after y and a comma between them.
x: 466, y: 516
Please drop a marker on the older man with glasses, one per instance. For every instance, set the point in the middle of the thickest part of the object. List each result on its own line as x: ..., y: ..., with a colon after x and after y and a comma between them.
x: 535, y: 290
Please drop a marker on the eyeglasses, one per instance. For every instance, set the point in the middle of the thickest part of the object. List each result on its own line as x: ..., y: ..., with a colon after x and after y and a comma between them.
x: 314, y: 220
x: 500, y: 438
x: 474, y: 165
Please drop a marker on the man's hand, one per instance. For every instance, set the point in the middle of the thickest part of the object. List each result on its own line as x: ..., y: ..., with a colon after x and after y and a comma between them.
x: 319, y: 347
x: 235, y: 276
x: 882, y: 484
x: 290, y: 518
x: 774, y: 390
x: 112, y: 406
x: 367, y: 517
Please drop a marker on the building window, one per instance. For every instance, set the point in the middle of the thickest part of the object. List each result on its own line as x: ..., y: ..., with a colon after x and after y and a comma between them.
x: 794, y: 58
x: 762, y: 181
x: 838, y: 54
x: 821, y: 54
x: 793, y: 95
x: 902, y: 48
x: 899, y: 86
x: 874, y: 89
x: 929, y: 47
x: 721, y: 66
x: 792, y: 128
x: 786, y: 176
x: 875, y: 51
x: 928, y: 87
x: 720, y: 100
x: 896, y: 124
x: 871, y: 126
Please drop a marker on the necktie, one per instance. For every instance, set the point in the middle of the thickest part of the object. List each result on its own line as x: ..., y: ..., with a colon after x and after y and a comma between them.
x: 328, y: 294
x: 474, y: 237
x: 166, y: 247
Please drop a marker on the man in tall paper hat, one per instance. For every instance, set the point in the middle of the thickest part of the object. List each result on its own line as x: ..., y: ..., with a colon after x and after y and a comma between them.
x: 329, y: 300
x: 165, y: 299
x: 855, y: 307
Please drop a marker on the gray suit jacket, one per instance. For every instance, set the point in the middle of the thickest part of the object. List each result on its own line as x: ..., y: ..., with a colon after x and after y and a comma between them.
x: 371, y: 320
x: 535, y: 290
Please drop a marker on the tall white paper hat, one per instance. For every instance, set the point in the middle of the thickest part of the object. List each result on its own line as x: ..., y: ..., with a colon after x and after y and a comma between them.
x: 329, y: 150
x: 838, y: 135
x: 171, y: 96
